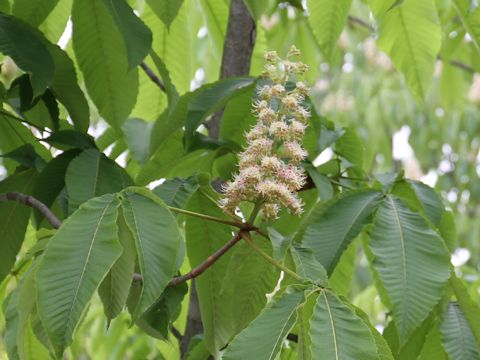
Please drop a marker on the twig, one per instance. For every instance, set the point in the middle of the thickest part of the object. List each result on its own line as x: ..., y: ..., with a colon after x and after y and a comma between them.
x: 249, y: 241
x: 357, y: 21
x: 200, y: 269
x: 153, y: 76
x: 176, y: 333
x: 211, y: 218
x: 34, y: 203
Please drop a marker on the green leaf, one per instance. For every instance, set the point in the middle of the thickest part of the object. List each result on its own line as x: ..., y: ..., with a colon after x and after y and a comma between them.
x: 470, y: 20
x: 327, y: 19
x: 137, y: 136
x: 338, y: 333
x: 101, y: 56
x: 342, y: 276
x: 163, y: 160
x: 433, y: 348
x: 92, y: 174
x: 330, y: 231
x: 431, y: 201
x: 470, y: 309
x: 174, y: 44
x: 237, y: 117
x: 307, y: 266
x: 157, y: 319
x: 166, y: 10
x: 457, y: 337
x: 14, y: 217
x: 243, y: 288
x: 177, y: 192
x: 203, y: 239
x: 172, y: 93
x: 11, y: 316
x: 67, y: 91
x: 115, y: 287
x: 51, y: 181
x: 136, y: 36
x: 264, y: 337
x: 211, y: 99
x: 157, y: 241
x: 27, y: 48
x: 304, y: 314
x: 257, y: 8
x: 280, y: 244
x: 192, y: 108
x: 216, y: 16
x: 76, y: 260
x: 410, y: 34
x: 33, y: 12
x: 67, y: 139
x: 412, y: 263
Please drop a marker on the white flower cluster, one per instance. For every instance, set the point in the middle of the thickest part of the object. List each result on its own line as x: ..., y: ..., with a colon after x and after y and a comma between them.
x: 269, y: 172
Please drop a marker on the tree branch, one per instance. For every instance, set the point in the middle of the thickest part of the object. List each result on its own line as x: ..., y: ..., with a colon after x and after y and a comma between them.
x: 34, y: 203
x: 200, y: 269
x: 153, y: 76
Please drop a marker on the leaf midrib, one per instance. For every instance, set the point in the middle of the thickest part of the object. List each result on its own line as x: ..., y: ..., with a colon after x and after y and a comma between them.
x: 332, y: 324
x: 74, y: 300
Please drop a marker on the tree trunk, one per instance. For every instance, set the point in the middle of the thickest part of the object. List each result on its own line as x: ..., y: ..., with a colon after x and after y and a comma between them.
x: 237, y: 54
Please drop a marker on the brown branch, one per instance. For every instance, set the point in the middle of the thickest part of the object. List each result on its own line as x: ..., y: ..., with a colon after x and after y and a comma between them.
x: 353, y: 20
x: 153, y: 76
x: 34, y: 203
x: 200, y: 269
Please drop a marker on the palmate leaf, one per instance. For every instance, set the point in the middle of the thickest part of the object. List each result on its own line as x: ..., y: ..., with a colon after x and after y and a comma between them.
x: 33, y: 11
x: 76, y: 260
x: 411, y: 260
x: 177, y: 192
x: 28, y: 50
x: 336, y: 332
x: 203, y: 239
x: 457, y: 337
x: 136, y: 36
x: 101, y: 55
x: 327, y: 19
x: 410, y: 34
x: 92, y: 174
x: 329, y: 231
x: 263, y: 338
x: 157, y: 242
x: 14, y: 219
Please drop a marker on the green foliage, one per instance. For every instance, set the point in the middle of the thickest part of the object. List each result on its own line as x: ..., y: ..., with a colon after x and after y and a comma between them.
x: 129, y: 98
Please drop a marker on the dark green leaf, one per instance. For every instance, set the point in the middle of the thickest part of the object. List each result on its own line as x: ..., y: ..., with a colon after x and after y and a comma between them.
x: 92, y: 174
x: 14, y: 219
x: 27, y: 48
x: 115, y: 287
x: 307, y: 266
x: 330, y: 231
x: 136, y: 36
x: 412, y: 262
x: 67, y: 139
x: 338, y: 333
x: 157, y: 241
x: 203, y: 239
x: 77, y: 259
x: 33, y: 12
x: 102, y: 57
x: 264, y: 337
x: 166, y: 10
x: 177, y: 192
x: 457, y: 337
